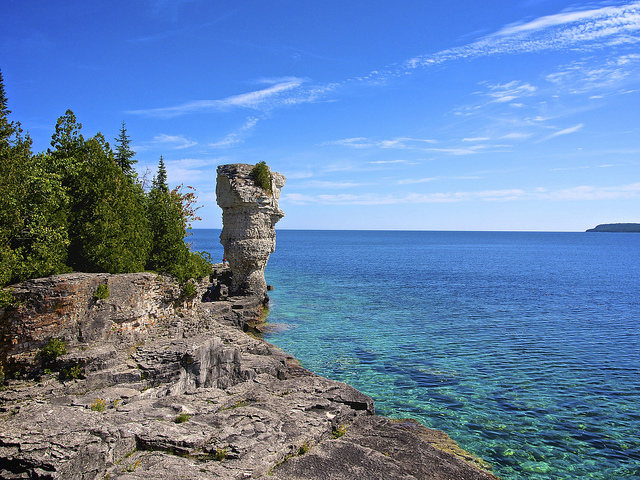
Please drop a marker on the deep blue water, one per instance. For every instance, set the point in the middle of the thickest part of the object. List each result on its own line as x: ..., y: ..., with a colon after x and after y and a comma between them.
x: 524, y: 347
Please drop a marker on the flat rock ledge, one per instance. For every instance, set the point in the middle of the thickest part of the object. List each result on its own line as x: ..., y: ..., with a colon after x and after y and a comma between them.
x: 194, y: 397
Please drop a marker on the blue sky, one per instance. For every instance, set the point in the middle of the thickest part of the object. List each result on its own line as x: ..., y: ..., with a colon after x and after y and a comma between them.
x: 457, y: 115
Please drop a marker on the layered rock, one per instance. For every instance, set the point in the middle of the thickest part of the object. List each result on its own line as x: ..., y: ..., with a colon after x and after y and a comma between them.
x: 197, y: 398
x: 249, y: 215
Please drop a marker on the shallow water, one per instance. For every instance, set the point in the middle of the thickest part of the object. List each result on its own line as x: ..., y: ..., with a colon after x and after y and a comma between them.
x: 524, y: 347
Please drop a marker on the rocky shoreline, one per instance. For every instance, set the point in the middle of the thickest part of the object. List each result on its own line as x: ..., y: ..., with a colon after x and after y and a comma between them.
x: 134, y: 376
x: 171, y: 387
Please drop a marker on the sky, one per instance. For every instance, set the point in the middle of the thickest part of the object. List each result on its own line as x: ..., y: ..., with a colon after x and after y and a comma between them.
x: 519, y: 115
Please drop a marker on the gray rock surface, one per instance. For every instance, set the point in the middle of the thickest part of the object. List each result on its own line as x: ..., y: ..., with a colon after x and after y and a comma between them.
x: 249, y: 215
x: 197, y: 398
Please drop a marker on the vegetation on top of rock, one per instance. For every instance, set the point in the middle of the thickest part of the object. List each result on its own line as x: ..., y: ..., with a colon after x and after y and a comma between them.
x: 262, y: 176
x: 81, y: 206
x: 102, y: 292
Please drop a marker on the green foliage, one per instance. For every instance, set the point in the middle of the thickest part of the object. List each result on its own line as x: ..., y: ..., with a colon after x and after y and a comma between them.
x: 108, y: 226
x: 262, y: 176
x: 102, y: 292
x: 79, y: 206
x: 183, y: 417
x: 7, y: 299
x: 160, y: 179
x: 340, y: 431
x: 304, y: 448
x: 72, y: 372
x: 98, y: 405
x: 124, y: 154
x: 220, y: 454
x: 188, y: 290
x: 50, y: 352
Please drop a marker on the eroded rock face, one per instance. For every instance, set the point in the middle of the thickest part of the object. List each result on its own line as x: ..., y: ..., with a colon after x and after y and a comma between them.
x: 249, y: 215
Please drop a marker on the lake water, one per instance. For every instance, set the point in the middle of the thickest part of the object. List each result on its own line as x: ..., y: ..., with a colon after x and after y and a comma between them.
x: 523, y: 347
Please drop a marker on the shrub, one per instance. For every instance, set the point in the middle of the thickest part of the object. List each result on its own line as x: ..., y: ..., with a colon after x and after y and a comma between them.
x: 183, y: 417
x: 220, y: 454
x: 102, y: 292
x: 188, y: 290
x: 52, y: 350
x: 7, y: 299
x: 340, y: 431
x: 304, y: 448
x: 98, y: 405
x: 262, y: 176
x: 75, y: 371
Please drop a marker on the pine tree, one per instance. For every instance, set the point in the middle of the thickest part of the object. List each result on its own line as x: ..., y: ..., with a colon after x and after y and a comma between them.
x: 160, y: 178
x: 124, y: 154
x: 108, y: 224
x: 33, y: 235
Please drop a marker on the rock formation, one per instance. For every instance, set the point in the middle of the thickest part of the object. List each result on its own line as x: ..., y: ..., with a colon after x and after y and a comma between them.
x: 249, y: 215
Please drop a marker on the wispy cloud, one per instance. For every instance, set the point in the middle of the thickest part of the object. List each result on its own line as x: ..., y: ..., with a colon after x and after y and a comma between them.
x: 566, y: 131
x: 263, y: 99
x: 238, y: 136
x: 583, y: 29
x: 502, y: 93
x: 174, y: 141
x: 403, y: 143
x: 584, y: 192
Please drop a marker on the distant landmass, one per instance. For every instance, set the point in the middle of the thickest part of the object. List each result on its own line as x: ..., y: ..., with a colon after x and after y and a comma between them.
x: 617, y: 227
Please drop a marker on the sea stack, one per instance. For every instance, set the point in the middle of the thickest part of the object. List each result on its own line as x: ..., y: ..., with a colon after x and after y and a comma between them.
x: 249, y: 215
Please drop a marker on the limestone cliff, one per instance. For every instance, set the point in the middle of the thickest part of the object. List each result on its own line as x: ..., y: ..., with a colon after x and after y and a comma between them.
x: 249, y: 215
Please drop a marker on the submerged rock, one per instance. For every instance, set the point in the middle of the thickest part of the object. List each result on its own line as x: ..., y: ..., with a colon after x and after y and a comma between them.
x: 249, y: 215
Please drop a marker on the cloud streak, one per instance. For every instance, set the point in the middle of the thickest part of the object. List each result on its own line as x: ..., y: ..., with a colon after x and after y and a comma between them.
x: 263, y: 99
x: 583, y: 30
x: 579, y: 193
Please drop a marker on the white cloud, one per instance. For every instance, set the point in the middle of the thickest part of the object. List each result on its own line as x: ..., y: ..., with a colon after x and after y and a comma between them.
x: 413, y: 181
x: 583, y: 29
x: 503, y: 93
x: 403, y: 143
x: 476, y: 139
x: 238, y: 136
x: 585, y: 192
x: 517, y: 136
x: 174, y: 141
x: 263, y: 99
x: 566, y: 131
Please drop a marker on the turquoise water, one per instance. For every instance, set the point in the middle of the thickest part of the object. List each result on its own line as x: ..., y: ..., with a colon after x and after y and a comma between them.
x: 524, y: 347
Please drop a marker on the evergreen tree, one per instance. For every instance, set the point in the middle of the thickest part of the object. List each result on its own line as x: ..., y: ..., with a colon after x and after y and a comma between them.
x: 33, y: 236
x: 124, y: 154
x: 170, y: 214
x: 159, y: 181
x: 108, y: 225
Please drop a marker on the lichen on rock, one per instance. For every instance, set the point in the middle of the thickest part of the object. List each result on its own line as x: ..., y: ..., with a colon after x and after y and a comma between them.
x: 249, y: 215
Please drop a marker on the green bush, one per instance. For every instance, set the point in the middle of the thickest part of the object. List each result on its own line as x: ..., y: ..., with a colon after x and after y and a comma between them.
x: 340, y: 431
x: 262, y: 176
x: 183, y: 417
x: 73, y: 372
x: 7, y: 299
x: 102, y: 292
x: 52, y: 350
x: 188, y: 290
